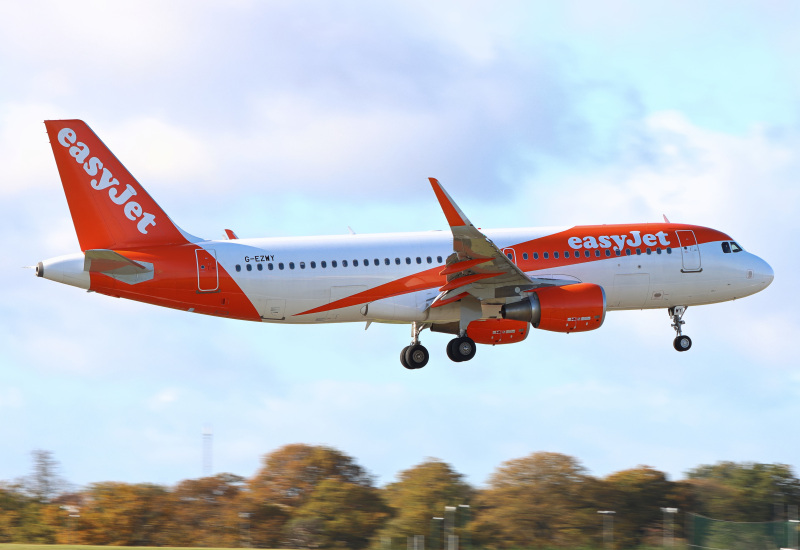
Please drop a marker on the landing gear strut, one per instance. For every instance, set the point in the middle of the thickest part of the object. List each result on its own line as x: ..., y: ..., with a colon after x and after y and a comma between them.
x: 681, y: 342
x: 415, y: 356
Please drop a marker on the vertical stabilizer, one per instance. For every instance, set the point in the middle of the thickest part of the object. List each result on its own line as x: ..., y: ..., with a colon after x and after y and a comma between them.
x: 109, y: 208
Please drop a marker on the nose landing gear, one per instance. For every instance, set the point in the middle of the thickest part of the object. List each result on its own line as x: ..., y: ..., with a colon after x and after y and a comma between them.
x: 416, y: 355
x: 681, y: 342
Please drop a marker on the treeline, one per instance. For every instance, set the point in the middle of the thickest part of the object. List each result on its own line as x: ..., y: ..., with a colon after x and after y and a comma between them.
x: 307, y: 496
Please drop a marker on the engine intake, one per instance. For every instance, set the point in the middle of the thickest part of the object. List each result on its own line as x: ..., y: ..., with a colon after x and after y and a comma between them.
x: 571, y: 308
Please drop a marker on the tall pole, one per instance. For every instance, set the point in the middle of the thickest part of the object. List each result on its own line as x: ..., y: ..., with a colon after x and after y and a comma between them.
x: 449, y: 526
x: 669, y: 539
x: 466, y: 543
x: 608, y: 527
x: 436, y: 528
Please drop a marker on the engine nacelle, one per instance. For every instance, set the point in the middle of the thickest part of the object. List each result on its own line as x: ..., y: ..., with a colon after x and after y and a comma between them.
x: 497, y: 331
x: 571, y: 308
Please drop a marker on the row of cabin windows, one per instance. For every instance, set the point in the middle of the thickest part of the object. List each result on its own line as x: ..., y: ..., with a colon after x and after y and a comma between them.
x: 324, y: 264
x: 588, y: 253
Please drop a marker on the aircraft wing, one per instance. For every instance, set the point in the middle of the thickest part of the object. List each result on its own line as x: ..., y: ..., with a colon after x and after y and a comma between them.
x: 477, y: 267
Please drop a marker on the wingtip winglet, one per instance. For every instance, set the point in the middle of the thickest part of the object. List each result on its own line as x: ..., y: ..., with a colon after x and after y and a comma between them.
x: 455, y: 217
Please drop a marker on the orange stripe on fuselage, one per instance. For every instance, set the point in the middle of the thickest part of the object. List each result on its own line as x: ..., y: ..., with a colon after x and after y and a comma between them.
x: 557, y: 242
x: 424, y: 280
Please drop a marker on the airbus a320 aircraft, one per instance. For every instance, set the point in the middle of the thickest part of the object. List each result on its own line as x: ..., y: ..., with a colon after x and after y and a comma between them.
x: 483, y: 286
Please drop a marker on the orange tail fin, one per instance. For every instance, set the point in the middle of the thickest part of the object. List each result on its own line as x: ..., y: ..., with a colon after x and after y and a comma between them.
x: 109, y: 208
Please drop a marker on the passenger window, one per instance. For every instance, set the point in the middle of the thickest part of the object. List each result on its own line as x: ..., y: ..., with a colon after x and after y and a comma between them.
x: 377, y: 262
x: 524, y: 255
x: 260, y: 267
x: 386, y: 261
x: 555, y: 255
x: 535, y: 255
x: 669, y: 250
x: 419, y: 260
x: 323, y: 264
x: 586, y: 253
x: 566, y: 254
x: 249, y: 267
x: 280, y: 265
x: 509, y: 256
x: 545, y: 255
x: 238, y: 267
x: 638, y: 251
x: 735, y: 247
x: 649, y: 251
x: 333, y: 263
x: 313, y: 265
x: 270, y: 267
x: 302, y: 265
x: 618, y: 252
x: 608, y: 252
x: 291, y: 265
x: 429, y: 260
x: 355, y: 263
x: 596, y: 253
x: 658, y: 251
x: 408, y: 260
x: 397, y: 261
x: 627, y: 251
x: 344, y: 263
x: 439, y: 259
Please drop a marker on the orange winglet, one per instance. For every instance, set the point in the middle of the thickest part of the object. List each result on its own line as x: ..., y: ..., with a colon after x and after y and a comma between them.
x: 455, y: 217
x: 230, y: 234
x: 467, y: 279
x: 450, y: 300
x: 462, y: 265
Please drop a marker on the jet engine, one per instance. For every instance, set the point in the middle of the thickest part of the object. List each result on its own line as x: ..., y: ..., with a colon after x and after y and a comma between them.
x: 571, y: 308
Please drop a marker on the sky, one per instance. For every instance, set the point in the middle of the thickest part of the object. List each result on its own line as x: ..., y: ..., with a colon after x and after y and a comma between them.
x: 303, y: 118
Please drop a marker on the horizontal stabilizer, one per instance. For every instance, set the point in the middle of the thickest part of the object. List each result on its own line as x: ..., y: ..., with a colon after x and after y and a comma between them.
x: 112, y: 263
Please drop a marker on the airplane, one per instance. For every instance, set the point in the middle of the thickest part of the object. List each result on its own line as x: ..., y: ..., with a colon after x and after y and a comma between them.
x: 481, y: 286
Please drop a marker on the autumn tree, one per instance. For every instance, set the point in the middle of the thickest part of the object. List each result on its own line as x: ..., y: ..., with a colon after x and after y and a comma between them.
x: 206, y: 512
x: 544, y: 499
x: 420, y: 493
x: 338, y: 514
x: 124, y: 514
x: 298, y: 481
x: 290, y: 474
x: 745, y: 491
x: 637, y: 496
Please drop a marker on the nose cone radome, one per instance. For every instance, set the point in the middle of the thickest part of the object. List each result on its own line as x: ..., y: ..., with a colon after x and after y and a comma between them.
x: 763, y: 273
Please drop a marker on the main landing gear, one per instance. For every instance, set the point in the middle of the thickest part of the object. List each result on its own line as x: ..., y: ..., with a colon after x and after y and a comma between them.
x: 415, y: 356
x: 681, y: 342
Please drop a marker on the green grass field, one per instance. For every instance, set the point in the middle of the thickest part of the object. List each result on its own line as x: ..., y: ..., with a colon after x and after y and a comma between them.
x: 81, y: 547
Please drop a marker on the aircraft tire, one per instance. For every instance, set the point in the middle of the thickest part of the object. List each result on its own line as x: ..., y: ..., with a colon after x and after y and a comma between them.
x: 682, y: 343
x: 451, y: 353
x: 463, y: 348
x: 403, y: 357
x: 416, y: 356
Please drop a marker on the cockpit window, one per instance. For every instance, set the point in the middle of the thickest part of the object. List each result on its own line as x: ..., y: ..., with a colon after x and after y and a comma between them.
x: 726, y: 247
x: 735, y: 247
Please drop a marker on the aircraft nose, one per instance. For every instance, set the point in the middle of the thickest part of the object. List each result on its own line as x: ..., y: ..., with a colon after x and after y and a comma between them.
x: 763, y: 272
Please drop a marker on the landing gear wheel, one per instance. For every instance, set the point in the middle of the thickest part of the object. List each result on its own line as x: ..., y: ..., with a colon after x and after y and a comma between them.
x: 403, y: 357
x: 682, y: 343
x: 416, y: 356
x: 461, y: 349
x: 451, y: 351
